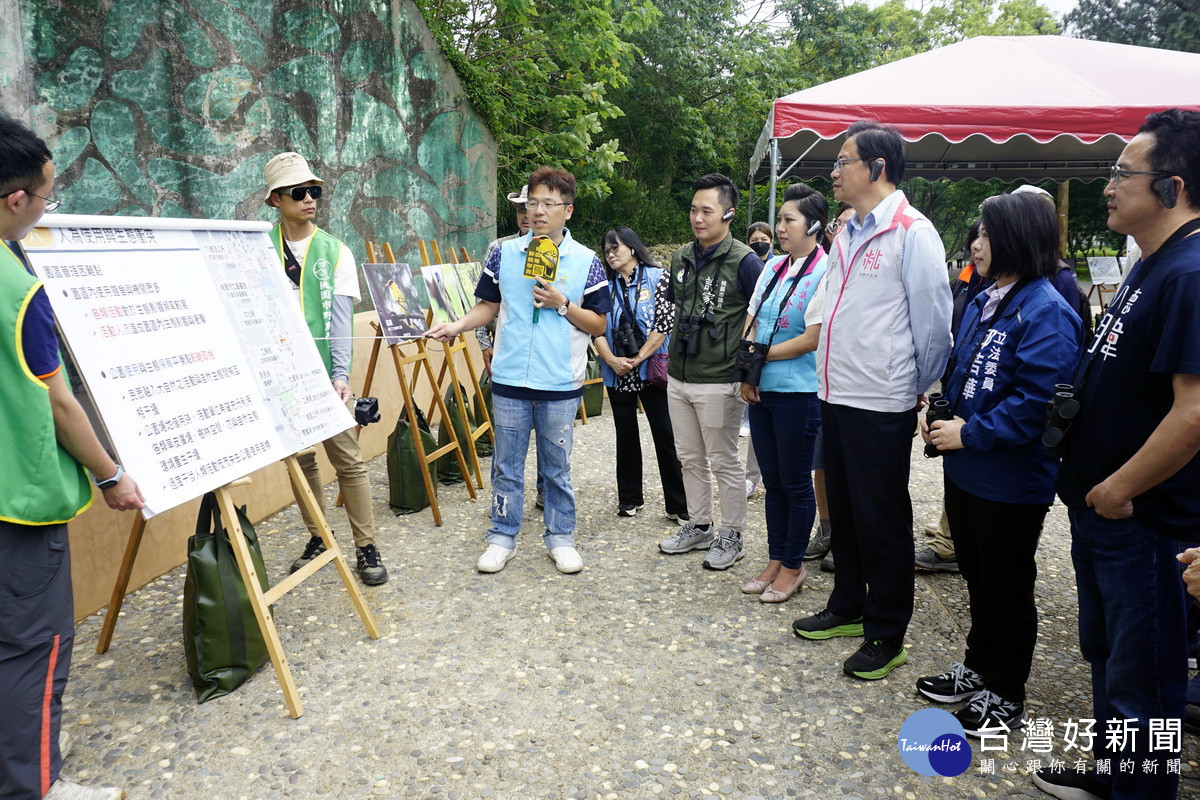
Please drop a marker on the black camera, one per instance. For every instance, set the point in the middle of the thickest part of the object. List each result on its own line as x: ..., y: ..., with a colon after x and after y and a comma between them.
x: 366, y: 410
x: 689, y: 331
x: 748, y: 361
x: 1060, y: 414
x: 627, y: 339
x: 939, y: 409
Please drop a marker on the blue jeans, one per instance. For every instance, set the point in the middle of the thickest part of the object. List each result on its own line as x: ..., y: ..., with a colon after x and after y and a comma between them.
x: 1132, y: 609
x: 553, y: 423
x: 783, y: 427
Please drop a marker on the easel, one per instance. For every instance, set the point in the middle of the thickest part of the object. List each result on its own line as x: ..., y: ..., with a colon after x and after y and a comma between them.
x: 451, y: 349
x: 420, y: 358
x: 260, y: 601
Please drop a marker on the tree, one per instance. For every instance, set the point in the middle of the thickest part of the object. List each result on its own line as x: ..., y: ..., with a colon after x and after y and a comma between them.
x: 1172, y: 25
x: 539, y: 73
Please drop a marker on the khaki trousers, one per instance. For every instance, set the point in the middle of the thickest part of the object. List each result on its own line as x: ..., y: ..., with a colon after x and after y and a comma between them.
x: 346, y: 457
x: 938, y: 537
x: 706, y: 419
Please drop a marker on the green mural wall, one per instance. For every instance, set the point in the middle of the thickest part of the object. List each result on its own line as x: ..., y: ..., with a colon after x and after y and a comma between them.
x: 172, y: 107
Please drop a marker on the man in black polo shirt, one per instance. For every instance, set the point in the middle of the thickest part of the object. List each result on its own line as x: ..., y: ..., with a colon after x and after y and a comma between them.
x: 1131, y: 476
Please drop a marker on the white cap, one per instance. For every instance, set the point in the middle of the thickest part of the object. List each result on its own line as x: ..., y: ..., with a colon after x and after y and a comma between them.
x: 521, y: 197
x: 287, y: 169
x: 1029, y: 188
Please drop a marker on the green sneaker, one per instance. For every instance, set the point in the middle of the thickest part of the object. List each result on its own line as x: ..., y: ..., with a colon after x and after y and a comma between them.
x: 826, y: 625
x: 875, y: 659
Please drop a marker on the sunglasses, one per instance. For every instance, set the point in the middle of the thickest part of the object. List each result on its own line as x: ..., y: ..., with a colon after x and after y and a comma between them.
x: 298, y: 193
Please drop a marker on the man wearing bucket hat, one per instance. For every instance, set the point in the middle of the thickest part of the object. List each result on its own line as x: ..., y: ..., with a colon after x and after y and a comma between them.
x: 325, y: 276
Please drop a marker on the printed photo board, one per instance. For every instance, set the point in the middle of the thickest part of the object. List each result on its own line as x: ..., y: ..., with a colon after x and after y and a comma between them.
x: 191, y: 343
x: 401, y: 314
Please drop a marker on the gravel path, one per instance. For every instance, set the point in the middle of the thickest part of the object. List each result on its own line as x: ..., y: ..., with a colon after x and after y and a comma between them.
x: 643, y: 676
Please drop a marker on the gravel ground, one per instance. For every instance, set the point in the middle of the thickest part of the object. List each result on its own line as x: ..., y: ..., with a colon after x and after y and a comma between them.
x: 644, y: 675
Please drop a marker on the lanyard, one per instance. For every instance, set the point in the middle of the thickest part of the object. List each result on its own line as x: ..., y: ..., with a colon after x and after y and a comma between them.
x: 805, y: 269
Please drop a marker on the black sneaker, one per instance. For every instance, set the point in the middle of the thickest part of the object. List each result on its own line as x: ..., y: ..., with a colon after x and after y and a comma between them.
x: 955, y: 684
x: 930, y: 561
x: 540, y: 500
x: 826, y: 625
x: 989, y: 713
x: 1071, y: 784
x: 818, y: 545
x: 313, y: 549
x: 628, y: 509
x: 875, y: 659
x: 827, y: 562
x: 370, y: 566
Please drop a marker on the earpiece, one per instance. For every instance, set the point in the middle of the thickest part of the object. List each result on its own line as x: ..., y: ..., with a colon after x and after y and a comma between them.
x: 1165, y: 189
x: 728, y: 215
x: 814, y: 225
x: 876, y: 169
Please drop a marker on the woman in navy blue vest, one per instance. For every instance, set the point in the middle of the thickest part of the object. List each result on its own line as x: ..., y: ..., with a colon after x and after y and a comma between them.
x: 638, y: 326
x: 784, y: 413
x: 1017, y: 339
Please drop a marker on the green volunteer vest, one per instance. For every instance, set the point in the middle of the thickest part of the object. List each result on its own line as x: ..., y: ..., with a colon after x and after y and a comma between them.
x: 318, y: 264
x: 43, y: 483
x: 714, y: 362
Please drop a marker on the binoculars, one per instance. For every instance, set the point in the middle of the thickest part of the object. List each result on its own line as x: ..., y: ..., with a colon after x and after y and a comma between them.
x: 748, y: 361
x: 688, y: 332
x: 366, y: 410
x: 1060, y: 414
x: 939, y: 409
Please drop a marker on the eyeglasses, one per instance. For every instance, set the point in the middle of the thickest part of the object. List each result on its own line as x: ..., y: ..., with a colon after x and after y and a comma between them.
x: 1117, y: 174
x: 298, y: 193
x: 534, y: 205
x: 841, y: 163
x: 51, y: 205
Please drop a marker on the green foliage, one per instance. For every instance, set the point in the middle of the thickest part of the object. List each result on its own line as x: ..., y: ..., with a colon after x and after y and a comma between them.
x: 539, y: 72
x: 1173, y: 25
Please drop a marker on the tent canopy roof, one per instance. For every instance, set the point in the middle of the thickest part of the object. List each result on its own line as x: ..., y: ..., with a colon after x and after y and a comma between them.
x: 1030, y: 107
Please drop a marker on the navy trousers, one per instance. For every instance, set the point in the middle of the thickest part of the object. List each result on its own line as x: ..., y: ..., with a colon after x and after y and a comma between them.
x: 37, y: 631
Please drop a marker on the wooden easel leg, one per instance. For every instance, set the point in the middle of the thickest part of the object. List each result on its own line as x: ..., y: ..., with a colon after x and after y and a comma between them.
x: 304, y: 491
x: 241, y: 551
x: 441, y: 405
x: 123, y: 575
x: 472, y: 456
x: 410, y: 406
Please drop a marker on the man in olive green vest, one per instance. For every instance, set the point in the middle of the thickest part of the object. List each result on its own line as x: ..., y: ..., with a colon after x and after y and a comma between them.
x: 712, y: 280
x: 48, y: 442
x: 325, y: 276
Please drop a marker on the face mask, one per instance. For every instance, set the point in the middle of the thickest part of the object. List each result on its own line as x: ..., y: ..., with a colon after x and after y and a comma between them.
x: 761, y: 248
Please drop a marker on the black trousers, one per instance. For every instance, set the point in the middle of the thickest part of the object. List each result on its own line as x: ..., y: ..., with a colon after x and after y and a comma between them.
x: 36, y: 637
x: 866, y: 482
x: 629, y: 447
x: 995, y: 543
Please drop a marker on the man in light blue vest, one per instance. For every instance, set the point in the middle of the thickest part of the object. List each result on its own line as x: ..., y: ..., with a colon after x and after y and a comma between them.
x: 543, y: 331
x: 48, y: 443
x: 325, y: 275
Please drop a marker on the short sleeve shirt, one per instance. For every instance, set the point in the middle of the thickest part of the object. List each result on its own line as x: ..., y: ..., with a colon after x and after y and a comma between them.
x: 1150, y: 333
x: 345, y: 279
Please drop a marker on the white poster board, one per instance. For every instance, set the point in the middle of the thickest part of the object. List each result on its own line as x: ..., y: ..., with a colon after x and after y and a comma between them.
x: 190, y: 340
x: 1104, y: 269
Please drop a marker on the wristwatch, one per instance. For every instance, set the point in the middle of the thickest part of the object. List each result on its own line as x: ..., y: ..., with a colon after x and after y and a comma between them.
x: 114, y: 480
x: 562, y: 310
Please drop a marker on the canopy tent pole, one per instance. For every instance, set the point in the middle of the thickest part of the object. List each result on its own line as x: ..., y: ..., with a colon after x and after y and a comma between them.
x: 1064, y: 196
x: 774, y: 184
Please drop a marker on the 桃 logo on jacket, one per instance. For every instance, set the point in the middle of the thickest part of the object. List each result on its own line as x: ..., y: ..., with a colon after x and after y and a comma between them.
x: 322, y: 269
x: 644, y: 294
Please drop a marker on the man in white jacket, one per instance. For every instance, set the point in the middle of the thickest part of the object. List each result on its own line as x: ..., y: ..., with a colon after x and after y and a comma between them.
x: 884, y: 343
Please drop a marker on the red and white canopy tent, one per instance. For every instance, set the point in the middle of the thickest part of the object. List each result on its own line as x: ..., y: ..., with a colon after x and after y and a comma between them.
x: 1011, y: 107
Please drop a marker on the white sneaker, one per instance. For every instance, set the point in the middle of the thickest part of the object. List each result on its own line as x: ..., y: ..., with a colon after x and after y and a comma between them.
x: 67, y: 790
x: 751, y: 488
x: 567, y: 559
x: 494, y: 558
x: 66, y: 743
x: 744, y: 432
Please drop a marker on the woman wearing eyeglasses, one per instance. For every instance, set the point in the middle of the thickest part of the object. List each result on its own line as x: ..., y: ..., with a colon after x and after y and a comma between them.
x: 638, y: 325
x: 784, y: 415
x: 1017, y: 339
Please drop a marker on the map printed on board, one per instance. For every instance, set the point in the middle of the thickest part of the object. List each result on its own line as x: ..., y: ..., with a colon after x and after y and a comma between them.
x: 192, y: 346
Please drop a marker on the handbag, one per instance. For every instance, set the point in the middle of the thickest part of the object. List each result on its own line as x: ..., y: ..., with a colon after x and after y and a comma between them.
x: 406, y: 489
x: 221, y: 638
x: 656, y: 369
